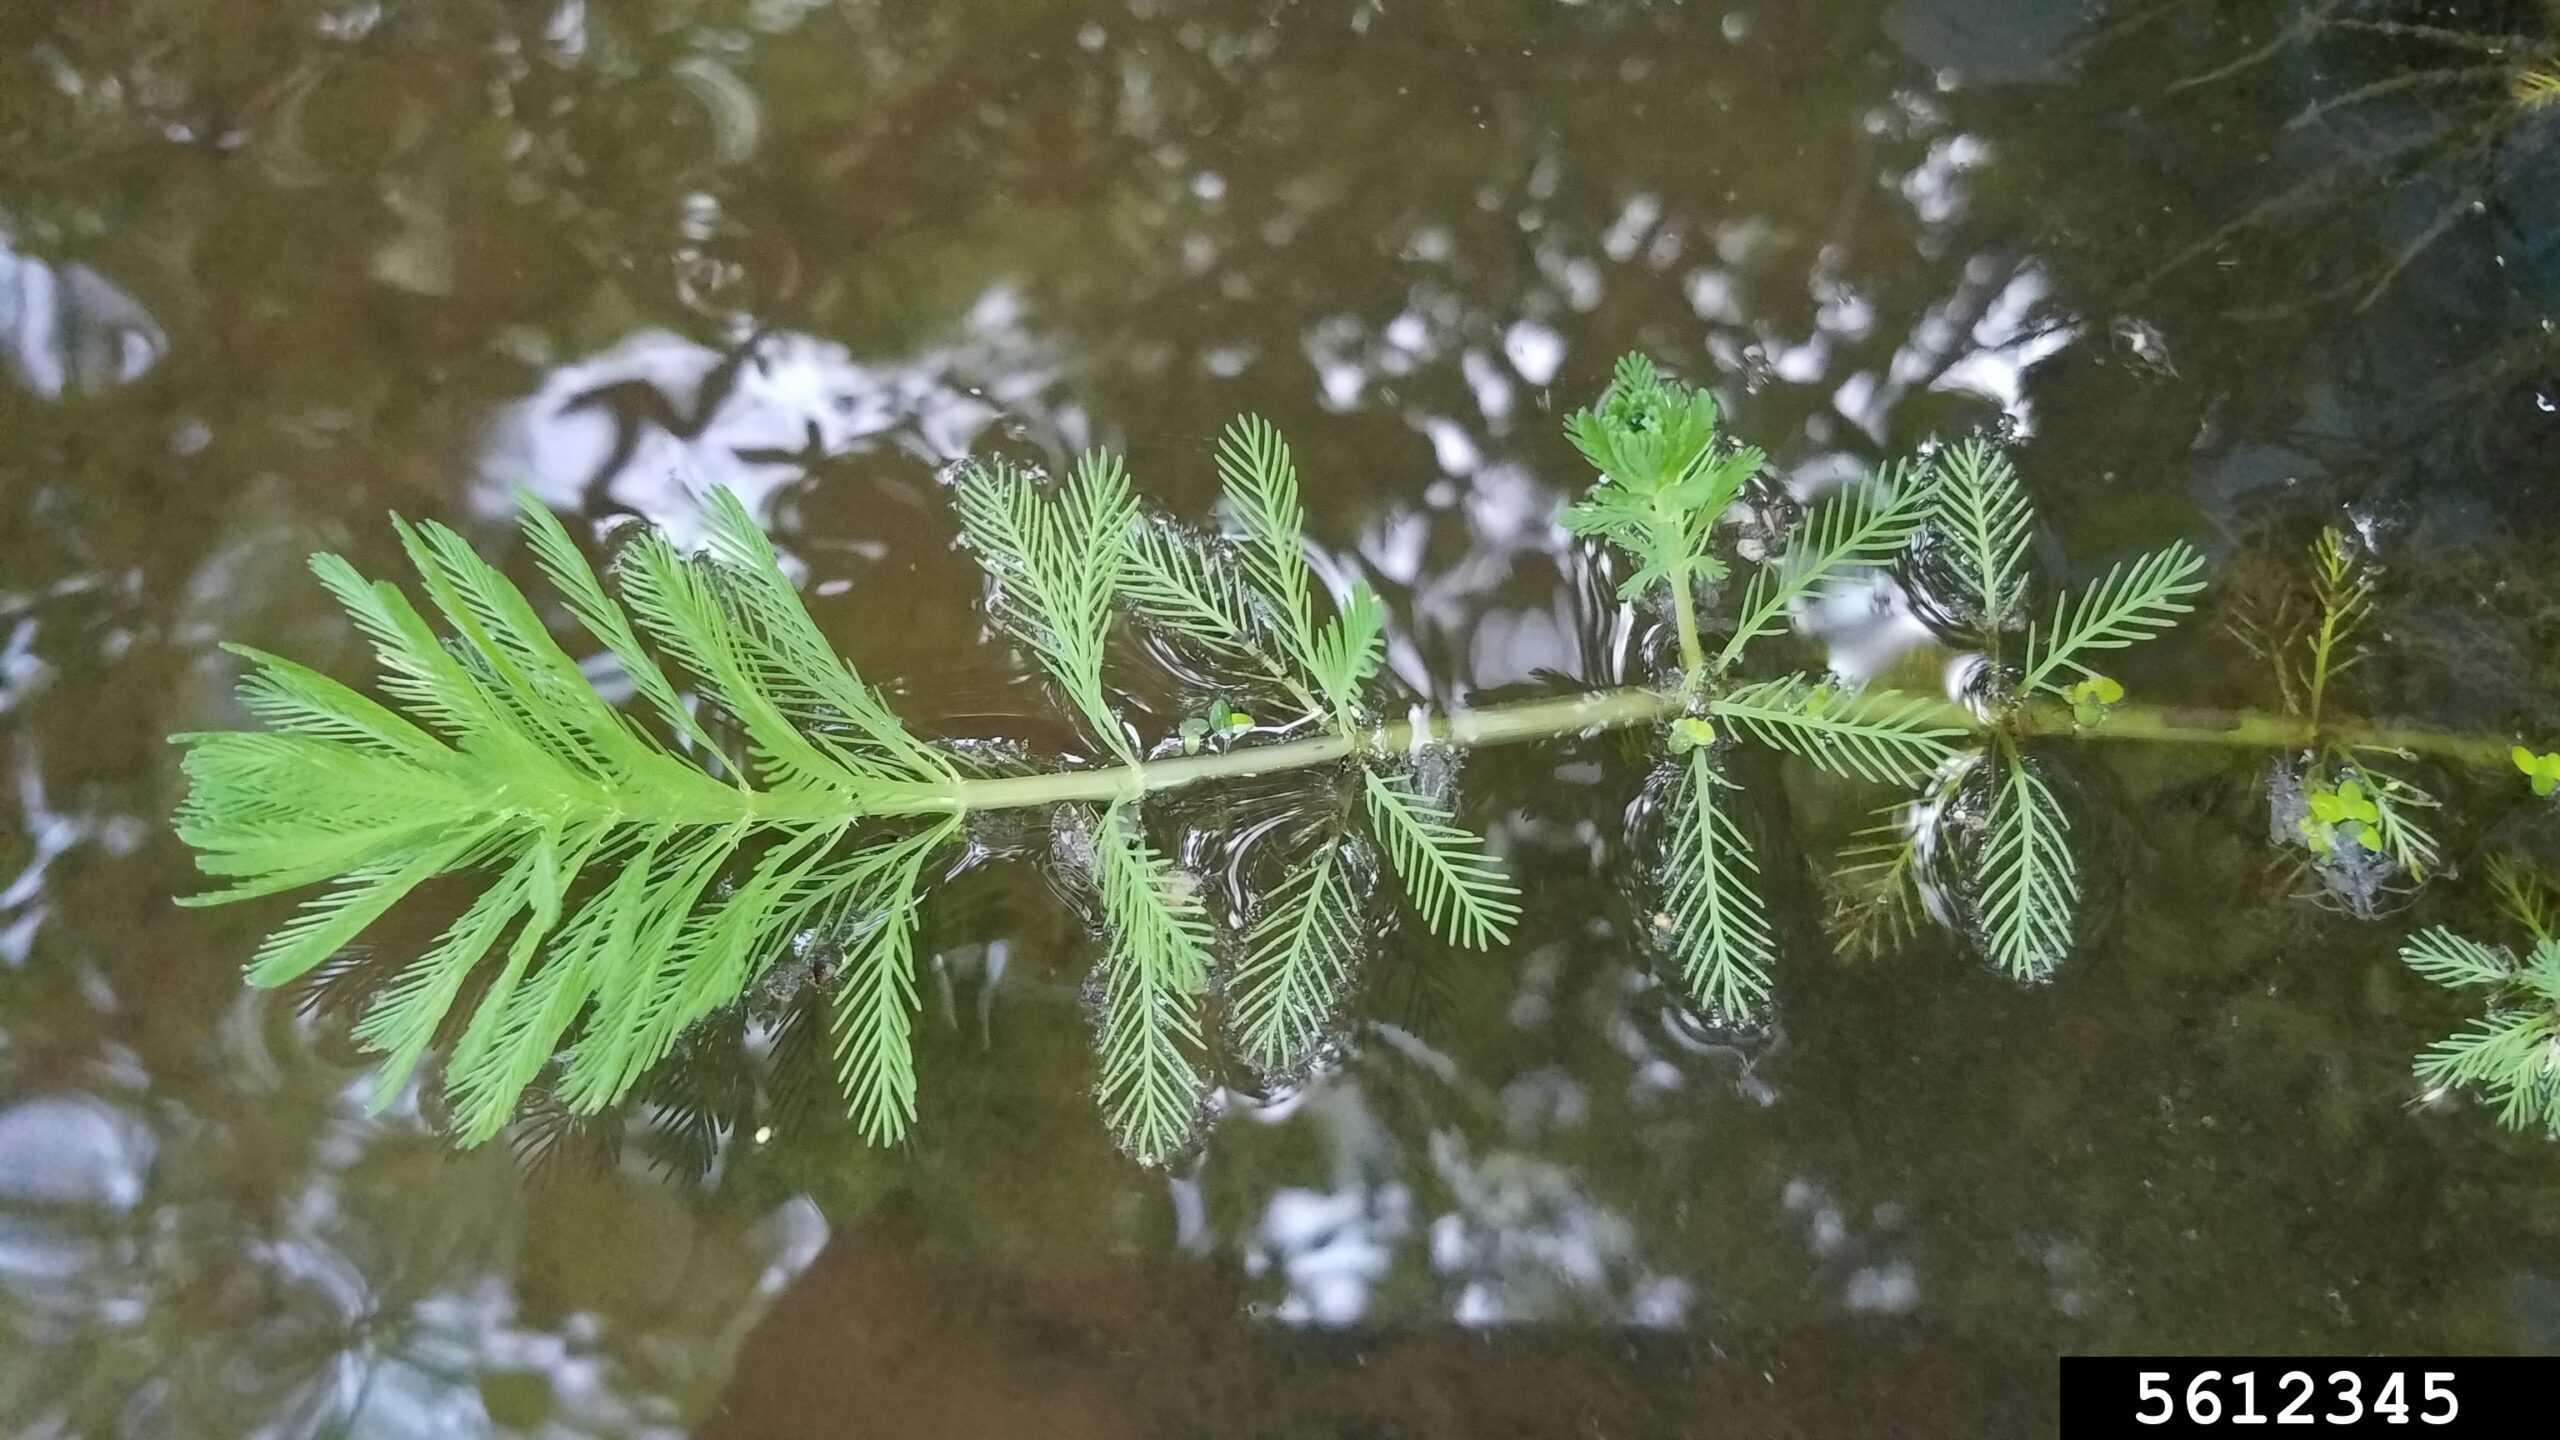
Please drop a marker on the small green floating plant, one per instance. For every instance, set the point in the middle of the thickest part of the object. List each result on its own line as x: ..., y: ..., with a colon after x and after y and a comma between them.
x: 634, y: 877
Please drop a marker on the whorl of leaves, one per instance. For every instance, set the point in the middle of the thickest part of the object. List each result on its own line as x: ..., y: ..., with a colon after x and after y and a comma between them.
x: 508, y: 765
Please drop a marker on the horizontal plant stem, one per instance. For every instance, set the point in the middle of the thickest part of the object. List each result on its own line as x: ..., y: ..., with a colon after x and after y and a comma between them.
x: 1620, y: 709
x: 1492, y: 725
x: 2266, y: 730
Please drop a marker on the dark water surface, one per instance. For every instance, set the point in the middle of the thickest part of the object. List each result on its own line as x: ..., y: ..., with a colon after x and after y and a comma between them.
x: 269, y: 268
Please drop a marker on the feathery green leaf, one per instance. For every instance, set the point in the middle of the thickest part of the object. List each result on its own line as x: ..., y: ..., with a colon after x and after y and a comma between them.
x: 524, y: 1026
x: 1461, y: 890
x: 2025, y: 883
x: 685, y: 605
x: 2523, y: 895
x: 1152, y: 979
x: 329, y: 923
x: 1056, y: 564
x: 292, y: 699
x: 1848, y: 733
x: 1978, y: 504
x: 2449, y: 960
x: 1348, y: 650
x: 1261, y: 483
x: 1866, y: 526
x: 1193, y: 588
x: 1711, y: 906
x: 2542, y: 971
x: 571, y: 575
x: 2131, y: 604
x: 2343, y: 587
x: 1874, y: 888
x: 874, y: 1046
x: 1299, y: 956
x: 1179, y: 583
x: 2512, y: 1056
x: 787, y: 658
x: 2512, y: 1053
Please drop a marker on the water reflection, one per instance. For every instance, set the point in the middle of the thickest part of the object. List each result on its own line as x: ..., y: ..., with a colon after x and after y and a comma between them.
x: 67, y: 330
x: 651, y: 424
x: 237, y: 1264
x: 1495, y: 1236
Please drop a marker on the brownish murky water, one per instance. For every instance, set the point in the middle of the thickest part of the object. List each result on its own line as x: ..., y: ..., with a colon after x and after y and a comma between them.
x: 269, y: 268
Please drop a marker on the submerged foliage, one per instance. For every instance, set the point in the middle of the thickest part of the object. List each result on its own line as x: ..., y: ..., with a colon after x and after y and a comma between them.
x: 622, y: 882
x: 2356, y: 819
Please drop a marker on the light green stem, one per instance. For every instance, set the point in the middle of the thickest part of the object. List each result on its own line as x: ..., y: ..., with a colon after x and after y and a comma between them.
x: 1684, y: 601
x: 1494, y: 725
x: 2320, y: 661
x: 1684, y: 608
x: 1602, y: 710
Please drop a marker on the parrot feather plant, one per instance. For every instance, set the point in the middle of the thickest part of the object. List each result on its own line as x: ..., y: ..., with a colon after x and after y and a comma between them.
x: 633, y: 872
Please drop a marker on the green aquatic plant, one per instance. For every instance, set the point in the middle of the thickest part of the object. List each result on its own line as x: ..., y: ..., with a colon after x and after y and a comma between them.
x: 1874, y: 885
x: 2019, y: 883
x: 1665, y: 476
x: 2541, y: 771
x: 2537, y: 85
x: 2353, y: 806
x: 515, y: 768
x: 2341, y: 814
x: 2090, y: 699
x: 2342, y: 590
x: 2511, y: 1054
x: 625, y: 877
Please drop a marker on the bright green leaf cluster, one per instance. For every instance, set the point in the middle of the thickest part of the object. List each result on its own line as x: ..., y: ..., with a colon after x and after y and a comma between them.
x: 2342, y: 813
x: 2090, y: 699
x: 1665, y: 476
x: 1057, y: 565
x: 1691, y: 731
x: 2356, y: 803
x: 2541, y: 770
x: 2511, y: 1054
x: 515, y: 767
